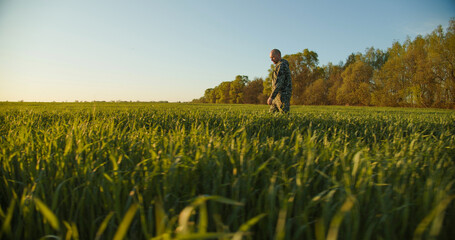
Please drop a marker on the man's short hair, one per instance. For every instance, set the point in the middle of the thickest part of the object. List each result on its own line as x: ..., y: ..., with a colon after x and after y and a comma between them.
x: 276, y: 51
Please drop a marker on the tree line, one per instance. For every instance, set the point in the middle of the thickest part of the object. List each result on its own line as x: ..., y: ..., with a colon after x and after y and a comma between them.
x: 416, y: 73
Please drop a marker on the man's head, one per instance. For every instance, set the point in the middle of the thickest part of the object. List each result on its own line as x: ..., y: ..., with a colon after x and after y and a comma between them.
x: 275, y: 56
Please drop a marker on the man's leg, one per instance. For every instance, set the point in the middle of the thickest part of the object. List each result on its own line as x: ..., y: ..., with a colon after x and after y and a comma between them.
x: 276, y: 105
x: 286, y: 103
x: 274, y: 108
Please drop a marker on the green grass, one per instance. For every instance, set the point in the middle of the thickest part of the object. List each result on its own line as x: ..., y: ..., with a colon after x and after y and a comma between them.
x: 195, y: 171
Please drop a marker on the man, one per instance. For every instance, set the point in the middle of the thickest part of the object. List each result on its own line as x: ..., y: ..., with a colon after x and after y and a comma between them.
x: 280, y: 99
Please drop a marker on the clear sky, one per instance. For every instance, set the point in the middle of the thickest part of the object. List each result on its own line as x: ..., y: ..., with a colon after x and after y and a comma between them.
x: 173, y: 50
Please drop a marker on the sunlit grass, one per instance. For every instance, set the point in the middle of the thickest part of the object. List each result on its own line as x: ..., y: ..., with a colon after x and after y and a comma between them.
x: 195, y: 171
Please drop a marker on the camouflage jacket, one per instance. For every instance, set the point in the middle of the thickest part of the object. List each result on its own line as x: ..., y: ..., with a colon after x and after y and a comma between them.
x: 281, y: 81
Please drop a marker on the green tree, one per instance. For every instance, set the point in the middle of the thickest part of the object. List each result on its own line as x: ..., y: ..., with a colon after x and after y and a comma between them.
x: 406, y: 79
x: 316, y: 93
x: 334, y: 81
x: 422, y: 82
x: 304, y: 71
x: 222, y: 92
x: 392, y: 86
x: 253, y: 92
x: 441, y: 53
x: 236, y: 89
x: 267, y: 84
x: 210, y: 96
x: 350, y: 60
x: 376, y: 58
x: 355, y: 89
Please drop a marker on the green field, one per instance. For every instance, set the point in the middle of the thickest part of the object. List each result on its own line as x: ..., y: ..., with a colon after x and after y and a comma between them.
x: 188, y: 171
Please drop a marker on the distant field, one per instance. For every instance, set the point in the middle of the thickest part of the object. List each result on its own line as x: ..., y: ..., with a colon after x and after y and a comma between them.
x: 201, y: 171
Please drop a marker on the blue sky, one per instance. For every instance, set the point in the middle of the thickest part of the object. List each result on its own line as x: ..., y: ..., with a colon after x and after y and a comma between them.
x: 174, y: 50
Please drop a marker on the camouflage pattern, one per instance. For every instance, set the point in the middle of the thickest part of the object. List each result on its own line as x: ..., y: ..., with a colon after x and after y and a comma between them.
x: 281, y: 87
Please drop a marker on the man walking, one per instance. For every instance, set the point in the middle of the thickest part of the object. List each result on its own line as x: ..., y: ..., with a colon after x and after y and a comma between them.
x: 280, y: 99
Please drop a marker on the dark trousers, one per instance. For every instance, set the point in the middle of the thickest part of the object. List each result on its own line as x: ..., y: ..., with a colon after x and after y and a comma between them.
x: 281, y: 103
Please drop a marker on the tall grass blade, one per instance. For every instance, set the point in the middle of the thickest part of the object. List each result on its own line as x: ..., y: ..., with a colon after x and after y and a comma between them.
x: 6, y: 226
x: 103, y: 226
x: 243, y: 230
x: 160, y: 217
x: 47, y: 214
x: 338, y: 218
x: 436, y: 216
x: 125, y: 224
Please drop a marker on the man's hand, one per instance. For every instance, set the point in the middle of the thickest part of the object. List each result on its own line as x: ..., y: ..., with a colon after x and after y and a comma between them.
x: 269, y: 101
